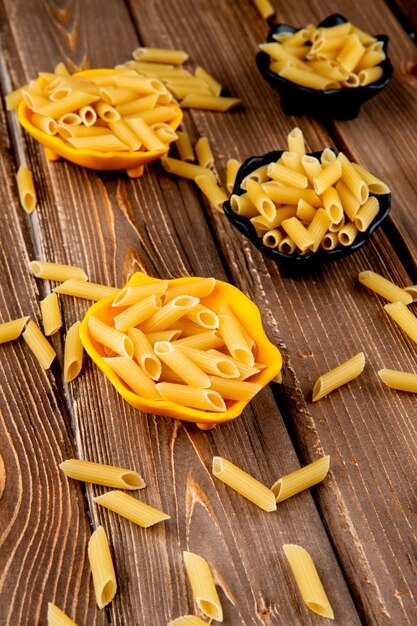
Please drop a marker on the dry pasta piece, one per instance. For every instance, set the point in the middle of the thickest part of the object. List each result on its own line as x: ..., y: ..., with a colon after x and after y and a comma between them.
x: 329, y: 241
x: 102, y: 569
x: 133, y: 375
x: 215, y: 194
x: 308, y: 580
x: 181, y: 364
x: 163, y: 335
x: 202, y: 584
x: 340, y: 375
x: 56, y: 617
x: 328, y: 176
x: 260, y: 199
x: 204, y: 154
x: 366, y: 214
x: 296, y: 142
x: 307, y: 78
x: 402, y: 381
x: 131, y: 295
x: 203, y: 316
x: 138, y: 105
x: 137, y: 313
x: 265, y: 8
x: 214, y: 85
x: 145, y: 134
x: 51, y: 314
x: 235, y: 340
x: 204, y: 399
x: 186, y: 170
x: 9, y: 331
x: 350, y: 204
x: 287, y: 176
x: 84, y: 289
x: 73, y: 353
x: 184, y: 146
x: 302, y: 479
x: 351, y: 52
x: 243, y: 205
x: 26, y: 189
x: 405, y: 319
x: 132, y: 509
x: 41, y: 348
x: 56, y: 271
x: 302, y: 237
x: 412, y: 290
x: 369, y: 75
x: 232, y: 168
x: 347, y: 234
x: 318, y: 227
x: 291, y: 195
x: 210, y: 363
x: 110, y: 337
x: 203, y: 341
x: 292, y: 161
x: 210, y: 103
x: 144, y: 353
x: 311, y: 166
x: 14, y: 98
x: 160, y: 55
x: 246, y: 371
x: 124, y: 134
x: 47, y: 124
x: 375, y: 185
x: 384, y: 287
x: 169, y: 314
x: 61, y: 69
x: 101, y: 143
x: 188, y: 328
x: 352, y: 179
x: 197, y: 288
x: 234, y: 389
x: 187, y: 620
x: 272, y: 238
x: 244, y: 484
x: 100, y: 474
x: 333, y: 205
x: 72, y: 102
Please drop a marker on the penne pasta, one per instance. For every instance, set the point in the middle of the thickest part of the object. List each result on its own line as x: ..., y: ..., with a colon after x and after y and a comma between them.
x: 405, y: 319
x: 352, y: 179
x: 214, y: 86
x: 366, y: 214
x: 41, y: 348
x: 202, y: 585
x: 61, y: 69
x: 412, y: 290
x: 311, y: 166
x: 265, y: 8
x: 169, y: 314
x: 14, y: 98
x: 145, y: 134
x: 84, y: 289
x: 137, y: 313
x: 133, y: 375
x: 292, y: 161
x: 306, y: 78
x: 340, y: 375
x: 235, y: 340
x: 72, y: 102
x: 56, y: 617
x: 138, y: 105
x: 9, y: 331
x: 347, y: 234
x: 375, y: 185
x: 73, y: 353
x: 214, y: 194
x: 244, y: 484
x: 160, y: 55
x: 204, y: 154
x: 163, y: 335
x: 132, y: 509
x: 100, y: 474
x: 210, y: 103
x: 124, y: 134
x: 155, y: 116
x: 203, y: 316
x: 296, y: 143
x: 333, y: 205
x: 258, y: 196
x: 287, y: 176
x: 402, y: 381
x: 305, y: 212
x: 100, y: 143
x: 47, y: 124
x: 234, y: 389
x: 317, y: 228
x: 110, y: 337
x: 56, y: 271
x: 329, y: 241
x: 203, y: 341
x: 144, y: 353
x: 328, y: 176
x: 51, y: 314
x: 184, y: 146
x: 26, y: 189
x: 287, y: 245
x: 186, y: 170
x: 102, y: 569
x: 260, y: 175
x: 291, y: 195
x: 243, y: 205
x: 187, y: 620
x: 308, y: 580
x: 370, y: 75
x: 384, y: 287
x: 197, y: 288
x: 204, y: 399
x: 350, y: 204
x: 272, y: 238
x: 131, y: 295
x: 302, y: 479
x: 188, y: 328
x: 181, y: 364
x: 302, y: 237
x: 210, y: 363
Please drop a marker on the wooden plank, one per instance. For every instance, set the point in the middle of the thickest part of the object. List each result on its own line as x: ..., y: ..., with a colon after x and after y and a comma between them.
x: 113, y: 226
x: 310, y: 316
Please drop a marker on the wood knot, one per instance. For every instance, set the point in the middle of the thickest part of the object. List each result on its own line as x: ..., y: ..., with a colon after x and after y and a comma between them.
x: 263, y: 610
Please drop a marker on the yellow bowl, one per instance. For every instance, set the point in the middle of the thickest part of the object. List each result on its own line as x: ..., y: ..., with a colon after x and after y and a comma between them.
x: 249, y: 316
x: 55, y: 147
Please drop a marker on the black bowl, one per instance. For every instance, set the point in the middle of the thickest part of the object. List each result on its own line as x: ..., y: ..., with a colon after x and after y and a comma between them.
x: 342, y: 104
x: 294, y: 262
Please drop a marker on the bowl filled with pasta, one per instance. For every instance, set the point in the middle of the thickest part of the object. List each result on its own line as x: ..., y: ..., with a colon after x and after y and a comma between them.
x: 103, y: 119
x: 302, y: 209
x: 325, y: 71
x: 189, y: 348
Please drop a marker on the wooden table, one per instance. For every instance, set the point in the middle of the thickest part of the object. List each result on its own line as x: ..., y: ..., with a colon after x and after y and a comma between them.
x: 358, y: 523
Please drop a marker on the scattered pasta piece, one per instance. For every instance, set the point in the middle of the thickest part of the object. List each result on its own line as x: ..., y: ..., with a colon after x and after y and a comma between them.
x: 232, y: 168
x: 265, y: 8
x: 184, y: 146
x: 202, y: 584
x: 73, y: 353
x: 308, y: 580
x: 102, y: 569
x: 301, y: 479
x: 214, y: 194
x: 244, y: 484
x: 384, y: 287
x: 9, y: 331
x: 26, y: 189
x: 41, y: 348
x: 405, y: 319
x: 56, y: 271
x: 187, y: 620
x: 51, y: 314
x: 100, y: 474
x: 340, y: 375
x: 402, y: 381
x: 134, y: 510
x: 56, y: 617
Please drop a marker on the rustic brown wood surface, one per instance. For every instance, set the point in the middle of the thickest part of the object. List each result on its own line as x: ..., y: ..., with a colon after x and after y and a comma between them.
x: 358, y: 523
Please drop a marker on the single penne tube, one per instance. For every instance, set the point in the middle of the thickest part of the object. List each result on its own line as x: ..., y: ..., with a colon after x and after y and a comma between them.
x: 278, y: 52
x: 246, y: 371
x: 287, y: 176
x: 60, y: 93
x: 203, y: 341
x: 67, y: 132
x: 326, y: 44
x: 51, y: 314
x: 186, y: 170
x: 132, y: 509
x: 110, y: 337
x: 235, y: 340
x: 131, y: 295
x: 169, y: 314
x: 340, y: 375
x: 203, y: 587
x: 364, y: 38
x: 232, y: 389
x: 347, y: 234
x: 210, y: 103
x: 184, y: 146
x: 244, y: 484
x: 405, y: 319
x: 145, y: 134
x: 384, y: 287
x: 102, y: 569
x: 311, y: 166
x: 137, y: 313
x: 305, y: 212
x: 73, y: 353
x: 327, y: 157
x: 203, y: 152
x: 146, y: 85
x: 101, y: 474
x: 164, y: 132
x: 197, y: 288
x: 350, y: 203
x: 318, y: 227
x: 187, y: 327
x: 106, y: 112
x: 117, y: 95
x: 328, y: 176
x: 144, y: 353
x: 308, y: 581
x: 164, y: 335
x: 375, y: 185
x: 302, y: 479
x: 14, y: 98
x: 265, y: 8
x: 369, y: 75
x: 125, y: 134
x: 334, y: 31
x: 138, y: 105
x: 172, y: 81
x: 203, y: 316
x: 84, y: 289
x: 35, y: 102
x: 99, y: 143
x: 402, y: 381
x: 330, y: 69
x: 292, y: 161
x: 203, y: 399
x: 214, y: 194
x: 225, y: 309
x: 210, y: 363
x: 295, y: 141
x: 70, y: 119
x: 160, y: 55
x: 156, y: 115
x: 373, y: 56
x: 258, y: 196
x: 47, y: 124
x: 9, y: 331
x: 187, y: 620
x: 182, y: 91
x: 330, y: 241
x: 181, y: 364
x: 352, y: 179
x: 214, y: 85
x: 298, y: 38
x: 412, y: 290
x: 302, y: 237
x: 26, y: 189
x: 350, y: 53
x: 291, y: 195
x: 56, y: 617
x: 333, y: 205
x: 336, y: 226
x: 148, y: 67
x: 37, y: 342
x: 74, y: 101
x: 243, y: 205
x: 307, y: 78
x: 134, y: 376
x: 272, y: 238
x: 260, y: 175
x: 287, y: 245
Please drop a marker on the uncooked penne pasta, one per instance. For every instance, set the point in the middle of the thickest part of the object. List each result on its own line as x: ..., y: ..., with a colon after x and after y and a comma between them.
x: 340, y: 375
x: 291, y: 195
x: 214, y: 85
x: 302, y: 237
x: 131, y: 295
x: 155, y: 116
x: 137, y: 313
x: 56, y: 617
x: 333, y: 205
x: 56, y: 271
x: 102, y: 569
x: 181, y: 364
x: 204, y: 399
x: 272, y: 238
x: 366, y: 214
x: 209, y: 362
x: 375, y: 185
x: 61, y: 69
x: 160, y: 55
x: 72, y: 102
x: 384, y: 287
x: 260, y: 175
x: 203, y: 341
x: 265, y: 8
x: 110, y: 337
x: 405, y: 319
x: 311, y: 166
x: 202, y: 584
x: 26, y: 189
x: 84, y: 289
x: 296, y: 142
x: 234, y: 389
x: 329, y: 241
x: 204, y: 154
x: 186, y: 170
x: 232, y: 168
x: 51, y: 314
x: 124, y: 134
x: 144, y: 353
x: 350, y: 204
x: 73, y: 353
x: 244, y: 484
x: 287, y: 176
x: 184, y: 146
x: 259, y: 197
x: 308, y: 580
x: 203, y: 316
x: 292, y: 161
x: 187, y: 620
x: 347, y: 234
x: 100, y: 143
x: 302, y: 479
x: 214, y: 194
x: 138, y: 105
x: 47, y: 124
x: 235, y: 340
x: 133, y: 375
x: 100, y: 474
x: 14, y: 98
x: 9, y: 331
x: 351, y: 52
x: 328, y: 176
x: 210, y: 103
x: 352, y: 179
x: 145, y: 134
x: 168, y: 315
x: 307, y: 78
x: 287, y: 245
x: 402, y: 381
x: 318, y: 227
x: 198, y: 288
x: 132, y: 509
x: 369, y: 75
x: 243, y: 205
x: 305, y: 212
x: 164, y: 335
x: 41, y: 348
x: 188, y: 328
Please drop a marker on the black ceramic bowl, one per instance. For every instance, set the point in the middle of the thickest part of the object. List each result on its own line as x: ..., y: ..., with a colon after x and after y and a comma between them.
x: 294, y: 262
x: 342, y: 104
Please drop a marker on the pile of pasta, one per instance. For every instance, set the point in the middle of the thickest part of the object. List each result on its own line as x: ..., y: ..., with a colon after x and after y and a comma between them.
x: 191, y: 91
x: 301, y: 203
x: 165, y: 344
x: 336, y: 57
x: 121, y: 111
